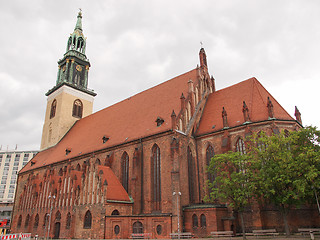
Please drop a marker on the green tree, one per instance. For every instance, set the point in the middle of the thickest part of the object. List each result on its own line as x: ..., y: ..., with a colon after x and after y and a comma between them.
x: 232, y: 183
x: 275, y: 176
x: 282, y: 169
x: 307, y: 153
x: 287, y: 168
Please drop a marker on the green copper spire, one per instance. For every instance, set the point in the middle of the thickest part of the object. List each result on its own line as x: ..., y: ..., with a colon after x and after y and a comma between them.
x: 77, y: 41
x: 74, y: 66
x: 79, y: 21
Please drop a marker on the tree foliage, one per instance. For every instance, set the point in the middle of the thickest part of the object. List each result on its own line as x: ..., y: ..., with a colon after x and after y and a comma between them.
x: 282, y: 169
x: 233, y: 183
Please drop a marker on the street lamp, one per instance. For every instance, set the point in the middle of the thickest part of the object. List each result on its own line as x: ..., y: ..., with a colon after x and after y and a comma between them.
x: 51, y: 201
x: 178, y: 212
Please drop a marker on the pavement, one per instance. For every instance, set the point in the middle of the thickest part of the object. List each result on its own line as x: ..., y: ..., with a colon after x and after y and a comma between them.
x: 291, y: 237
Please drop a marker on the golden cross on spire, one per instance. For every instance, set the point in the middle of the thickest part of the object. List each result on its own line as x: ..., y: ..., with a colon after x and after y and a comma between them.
x: 201, y: 43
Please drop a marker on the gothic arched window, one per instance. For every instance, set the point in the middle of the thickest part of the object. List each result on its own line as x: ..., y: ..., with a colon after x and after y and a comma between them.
x: 156, y: 178
x: 137, y: 227
x: 68, y: 222
x: 27, y: 221
x: 125, y: 171
x: 53, y: 108
x: 87, y: 220
x: 209, y: 156
x: 77, y: 109
x: 240, y: 146
x: 45, y: 218
x: 191, y: 176
x: 77, y: 79
x: 36, y: 221
x: 19, y: 221
x: 80, y: 44
x: 203, y: 221
x: 194, y: 221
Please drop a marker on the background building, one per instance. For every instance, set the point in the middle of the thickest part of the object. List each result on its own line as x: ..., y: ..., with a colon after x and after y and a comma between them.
x: 11, y: 163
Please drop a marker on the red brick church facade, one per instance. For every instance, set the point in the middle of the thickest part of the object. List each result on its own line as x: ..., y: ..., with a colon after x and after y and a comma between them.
x: 115, y: 171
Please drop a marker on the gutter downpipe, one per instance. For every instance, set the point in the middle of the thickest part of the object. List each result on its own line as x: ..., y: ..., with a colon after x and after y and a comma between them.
x: 142, y: 197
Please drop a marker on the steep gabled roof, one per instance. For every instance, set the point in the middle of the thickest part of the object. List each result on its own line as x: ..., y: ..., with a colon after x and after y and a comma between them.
x: 115, y: 190
x: 231, y: 98
x: 130, y: 119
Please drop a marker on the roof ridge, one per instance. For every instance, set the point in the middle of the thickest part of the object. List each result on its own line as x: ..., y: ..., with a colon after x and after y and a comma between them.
x: 254, y: 83
x: 139, y: 93
x: 247, y: 80
x: 274, y: 99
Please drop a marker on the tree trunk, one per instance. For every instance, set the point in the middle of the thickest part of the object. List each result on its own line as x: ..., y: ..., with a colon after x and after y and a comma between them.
x: 284, y: 214
x: 316, y: 194
x: 242, y: 225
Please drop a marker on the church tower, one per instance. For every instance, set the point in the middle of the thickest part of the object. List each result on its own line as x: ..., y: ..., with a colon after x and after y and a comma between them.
x: 70, y: 99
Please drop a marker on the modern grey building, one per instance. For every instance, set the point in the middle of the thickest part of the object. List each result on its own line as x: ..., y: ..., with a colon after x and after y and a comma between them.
x: 10, y: 164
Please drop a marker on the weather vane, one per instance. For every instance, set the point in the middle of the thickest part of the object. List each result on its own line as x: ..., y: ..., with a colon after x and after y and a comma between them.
x: 80, y: 10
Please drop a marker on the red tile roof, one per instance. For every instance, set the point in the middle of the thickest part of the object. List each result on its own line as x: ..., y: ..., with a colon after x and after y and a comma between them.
x: 115, y: 190
x: 231, y: 98
x: 130, y: 119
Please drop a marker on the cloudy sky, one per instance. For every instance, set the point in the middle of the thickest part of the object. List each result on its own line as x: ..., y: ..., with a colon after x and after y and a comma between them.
x: 136, y: 44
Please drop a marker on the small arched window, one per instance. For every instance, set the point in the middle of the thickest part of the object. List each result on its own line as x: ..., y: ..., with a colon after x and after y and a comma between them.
x: 69, y: 43
x: 53, y: 108
x: 36, y: 222
x: 58, y: 216
x: 79, y: 44
x: 115, y: 212
x: 194, y: 221
x: 137, y: 227
x: 27, y: 221
x: 45, y: 218
x: 68, y: 222
x: 240, y: 146
x: 78, y: 167
x: 77, y: 109
x: 77, y: 79
x: 19, y: 221
x: 98, y: 161
x: 87, y: 220
x: 203, y: 221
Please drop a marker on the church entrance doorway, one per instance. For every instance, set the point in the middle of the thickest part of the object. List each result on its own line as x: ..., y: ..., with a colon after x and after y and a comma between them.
x: 56, y: 230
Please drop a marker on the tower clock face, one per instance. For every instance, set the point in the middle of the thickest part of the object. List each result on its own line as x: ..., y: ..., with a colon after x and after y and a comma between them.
x: 79, y: 68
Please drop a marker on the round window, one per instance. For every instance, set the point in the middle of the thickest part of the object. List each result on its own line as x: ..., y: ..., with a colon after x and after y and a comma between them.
x: 159, y: 229
x: 116, y: 229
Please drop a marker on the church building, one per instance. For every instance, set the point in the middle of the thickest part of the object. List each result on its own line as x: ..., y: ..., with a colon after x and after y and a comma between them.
x: 139, y: 166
